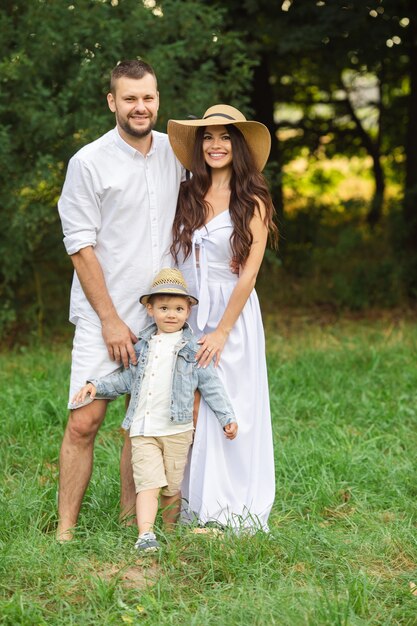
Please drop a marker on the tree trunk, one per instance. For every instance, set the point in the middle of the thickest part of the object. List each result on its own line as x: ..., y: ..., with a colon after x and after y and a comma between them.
x: 410, y: 191
x: 375, y: 212
x: 373, y: 149
x: 40, y: 309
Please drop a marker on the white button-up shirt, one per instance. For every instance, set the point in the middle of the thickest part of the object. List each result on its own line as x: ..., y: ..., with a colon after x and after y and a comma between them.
x: 153, y: 411
x: 123, y: 204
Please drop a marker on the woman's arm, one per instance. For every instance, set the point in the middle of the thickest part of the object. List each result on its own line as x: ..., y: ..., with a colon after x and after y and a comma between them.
x: 212, y: 344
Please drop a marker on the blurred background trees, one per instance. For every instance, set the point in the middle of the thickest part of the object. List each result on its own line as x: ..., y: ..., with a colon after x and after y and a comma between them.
x: 336, y: 83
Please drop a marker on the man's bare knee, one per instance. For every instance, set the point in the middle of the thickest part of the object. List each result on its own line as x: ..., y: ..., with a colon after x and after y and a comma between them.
x: 83, y: 423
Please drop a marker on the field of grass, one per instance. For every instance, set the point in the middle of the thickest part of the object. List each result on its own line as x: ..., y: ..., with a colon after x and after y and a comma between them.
x: 343, y: 543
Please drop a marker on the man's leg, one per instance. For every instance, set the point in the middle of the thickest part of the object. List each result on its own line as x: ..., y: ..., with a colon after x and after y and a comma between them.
x: 171, y: 508
x: 76, y: 463
x: 196, y: 407
x: 127, y: 484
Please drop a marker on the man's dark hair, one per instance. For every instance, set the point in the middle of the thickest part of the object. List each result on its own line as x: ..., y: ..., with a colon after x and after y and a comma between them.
x: 136, y: 68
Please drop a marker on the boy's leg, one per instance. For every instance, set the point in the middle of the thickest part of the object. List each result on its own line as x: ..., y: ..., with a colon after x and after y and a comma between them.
x: 149, y: 477
x: 146, y: 509
x: 76, y: 463
x: 175, y: 448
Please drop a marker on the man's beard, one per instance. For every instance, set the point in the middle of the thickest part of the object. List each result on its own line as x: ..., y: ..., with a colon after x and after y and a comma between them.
x: 133, y: 132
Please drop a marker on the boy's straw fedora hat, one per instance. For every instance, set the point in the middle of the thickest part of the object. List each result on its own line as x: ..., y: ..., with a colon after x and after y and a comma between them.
x: 181, y: 133
x: 168, y: 282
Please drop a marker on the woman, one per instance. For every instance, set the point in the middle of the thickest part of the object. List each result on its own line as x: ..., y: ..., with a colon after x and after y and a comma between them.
x: 224, y: 214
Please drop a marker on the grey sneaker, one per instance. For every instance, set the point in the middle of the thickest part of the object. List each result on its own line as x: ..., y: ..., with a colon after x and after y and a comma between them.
x: 147, y: 543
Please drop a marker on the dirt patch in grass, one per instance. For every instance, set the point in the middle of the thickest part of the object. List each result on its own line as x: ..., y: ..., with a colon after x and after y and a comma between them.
x: 138, y: 576
x: 401, y: 565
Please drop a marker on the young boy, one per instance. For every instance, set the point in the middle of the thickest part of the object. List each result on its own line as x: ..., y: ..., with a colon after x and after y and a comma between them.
x: 160, y: 412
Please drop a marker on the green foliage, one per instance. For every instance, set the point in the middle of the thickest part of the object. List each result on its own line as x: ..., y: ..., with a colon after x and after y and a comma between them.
x: 334, y: 78
x: 328, y: 78
x: 318, y: 54
x: 329, y: 256
x: 55, y: 63
x: 342, y: 547
x: 336, y: 261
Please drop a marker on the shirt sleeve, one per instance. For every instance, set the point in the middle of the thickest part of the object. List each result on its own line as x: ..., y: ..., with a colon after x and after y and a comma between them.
x: 115, y: 384
x: 214, y: 393
x: 79, y: 207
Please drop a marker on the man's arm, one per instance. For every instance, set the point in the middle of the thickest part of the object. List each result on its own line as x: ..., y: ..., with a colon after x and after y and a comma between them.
x: 117, y: 335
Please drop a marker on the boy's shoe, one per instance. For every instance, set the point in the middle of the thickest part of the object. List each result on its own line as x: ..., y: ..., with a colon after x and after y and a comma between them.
x: 147, y: 543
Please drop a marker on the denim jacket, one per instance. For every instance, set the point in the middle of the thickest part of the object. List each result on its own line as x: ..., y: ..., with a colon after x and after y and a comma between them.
x: 186, y: 378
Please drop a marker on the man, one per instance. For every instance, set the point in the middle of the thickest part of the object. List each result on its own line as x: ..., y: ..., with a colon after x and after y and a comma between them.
x: 117, y: 207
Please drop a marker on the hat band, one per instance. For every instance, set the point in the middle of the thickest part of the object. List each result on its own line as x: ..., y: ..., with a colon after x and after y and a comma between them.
x: 168, y: 287
x: 229, y: 117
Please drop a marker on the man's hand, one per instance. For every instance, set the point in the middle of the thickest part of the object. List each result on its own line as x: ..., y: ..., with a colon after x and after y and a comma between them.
x: 118, y: 337
x: 230, y: 430
x: 119, y: 340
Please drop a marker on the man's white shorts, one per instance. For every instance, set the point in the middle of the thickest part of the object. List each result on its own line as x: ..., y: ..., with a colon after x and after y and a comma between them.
x: 90, y: 358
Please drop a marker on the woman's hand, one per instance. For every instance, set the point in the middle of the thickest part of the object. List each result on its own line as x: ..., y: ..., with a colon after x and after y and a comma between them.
x: 211, y: 347
x: 88, y: 389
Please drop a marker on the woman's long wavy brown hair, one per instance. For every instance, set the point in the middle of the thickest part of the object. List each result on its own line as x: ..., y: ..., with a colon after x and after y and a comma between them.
x: 247, y: 187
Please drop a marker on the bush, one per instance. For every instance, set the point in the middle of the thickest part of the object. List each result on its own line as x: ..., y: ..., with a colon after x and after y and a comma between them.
x: 336, y: 259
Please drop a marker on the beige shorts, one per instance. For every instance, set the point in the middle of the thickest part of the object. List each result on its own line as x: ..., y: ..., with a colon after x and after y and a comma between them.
x: 159, y: 462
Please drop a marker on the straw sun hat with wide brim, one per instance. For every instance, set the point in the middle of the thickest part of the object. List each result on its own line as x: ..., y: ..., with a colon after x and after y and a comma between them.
x: 182, y: 133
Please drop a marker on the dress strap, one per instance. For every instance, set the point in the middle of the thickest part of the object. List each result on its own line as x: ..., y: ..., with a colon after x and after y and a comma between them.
x: 202, y: 280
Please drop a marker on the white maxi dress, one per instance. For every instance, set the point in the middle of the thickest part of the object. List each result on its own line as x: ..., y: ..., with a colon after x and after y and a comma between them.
x: 229, y: 482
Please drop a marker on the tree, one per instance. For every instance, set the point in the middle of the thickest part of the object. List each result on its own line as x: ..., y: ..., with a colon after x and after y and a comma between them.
x: 354, y: 53
x: 410, y: 190
x: 319, y: 60
x: 56, y: 59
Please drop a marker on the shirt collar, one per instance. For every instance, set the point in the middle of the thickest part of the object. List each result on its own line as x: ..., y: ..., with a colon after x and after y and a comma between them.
x: 150, y: 330
x: 169, y: 337
x: 130, y: 150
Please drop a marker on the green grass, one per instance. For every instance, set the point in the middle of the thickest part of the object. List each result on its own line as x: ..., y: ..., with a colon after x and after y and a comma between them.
x: 342, y: 548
